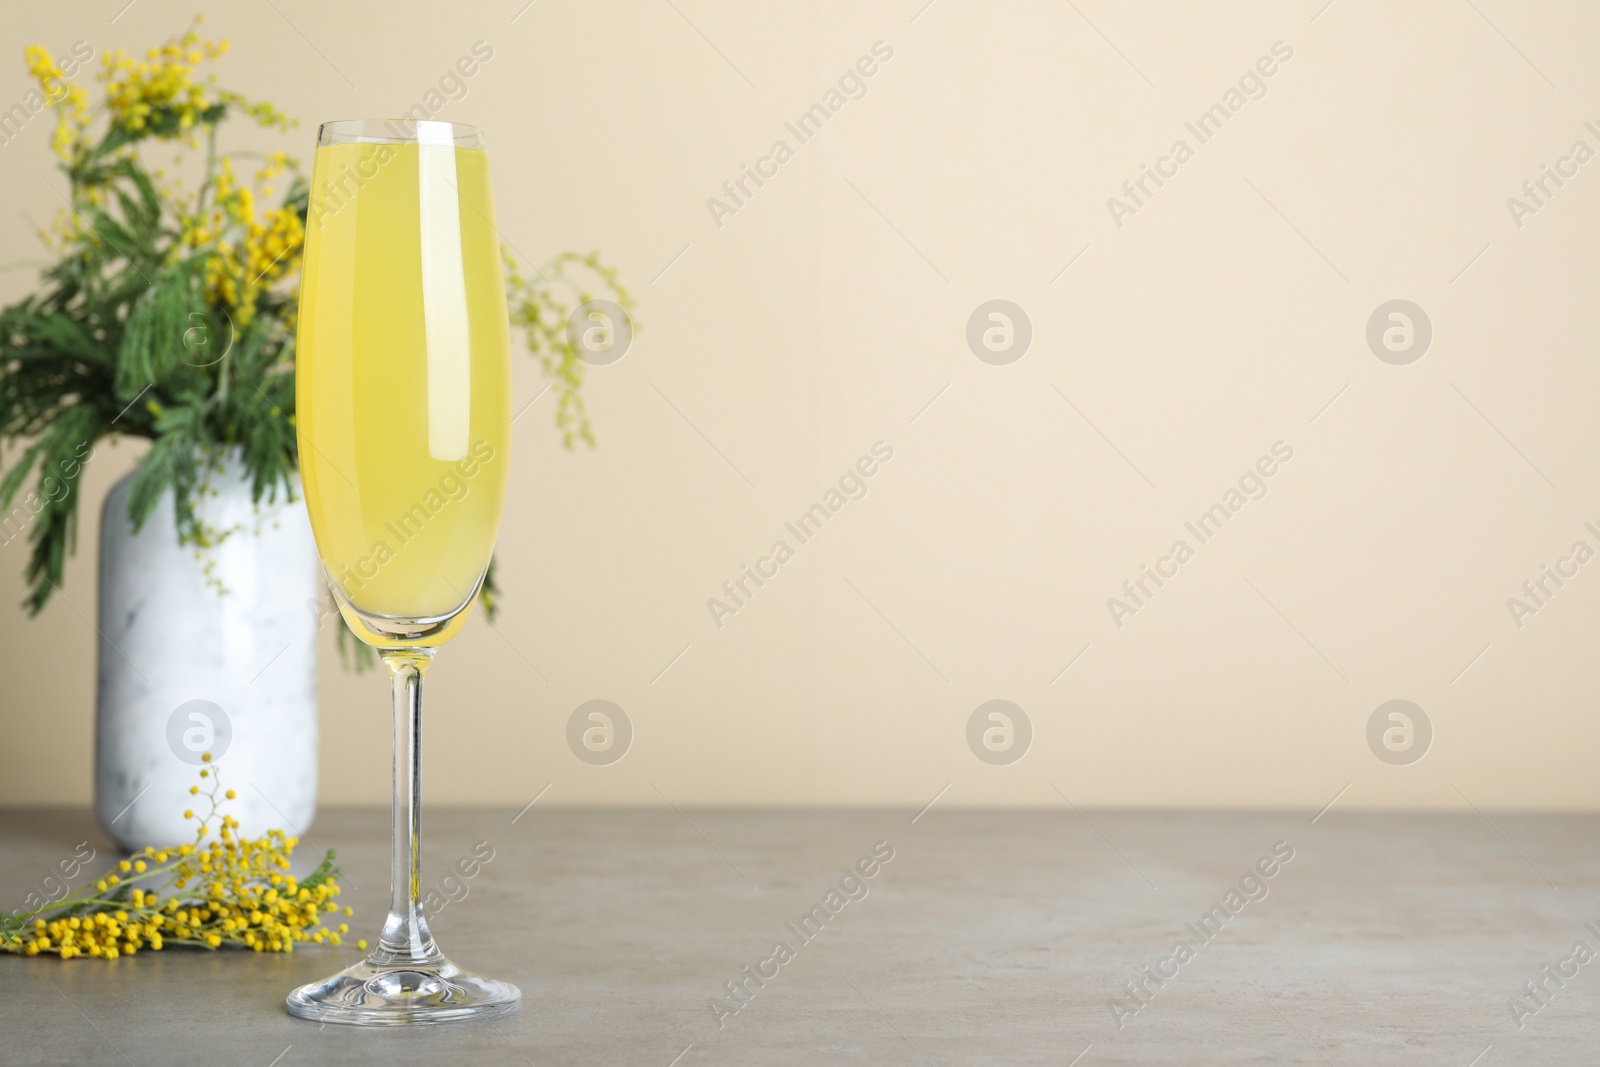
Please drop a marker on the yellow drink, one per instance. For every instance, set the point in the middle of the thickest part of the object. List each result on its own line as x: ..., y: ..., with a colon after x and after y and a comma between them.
x: 404, y: 400
x: 403, y: 377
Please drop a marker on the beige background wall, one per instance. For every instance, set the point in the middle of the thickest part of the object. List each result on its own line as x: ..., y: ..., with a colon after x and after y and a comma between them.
x: 826, y: 314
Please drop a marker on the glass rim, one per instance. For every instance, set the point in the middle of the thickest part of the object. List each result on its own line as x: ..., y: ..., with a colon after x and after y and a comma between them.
x: 399, y: 131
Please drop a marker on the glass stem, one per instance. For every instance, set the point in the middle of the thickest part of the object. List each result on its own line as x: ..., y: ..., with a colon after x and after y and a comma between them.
x: 405, y: 933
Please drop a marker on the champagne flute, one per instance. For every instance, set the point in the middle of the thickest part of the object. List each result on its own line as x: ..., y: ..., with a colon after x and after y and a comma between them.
x: 404, y: 419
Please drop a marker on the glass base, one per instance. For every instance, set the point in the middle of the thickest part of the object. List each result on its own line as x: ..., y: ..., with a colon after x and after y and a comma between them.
x: 403, y: 994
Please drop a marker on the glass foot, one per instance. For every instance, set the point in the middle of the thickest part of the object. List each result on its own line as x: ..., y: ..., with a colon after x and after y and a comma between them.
x: 403, y: 994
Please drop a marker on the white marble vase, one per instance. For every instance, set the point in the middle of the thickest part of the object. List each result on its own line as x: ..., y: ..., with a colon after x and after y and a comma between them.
x: 214, y: 652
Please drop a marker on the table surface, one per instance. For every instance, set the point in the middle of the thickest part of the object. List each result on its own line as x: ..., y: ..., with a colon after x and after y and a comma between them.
x: 990, y: 937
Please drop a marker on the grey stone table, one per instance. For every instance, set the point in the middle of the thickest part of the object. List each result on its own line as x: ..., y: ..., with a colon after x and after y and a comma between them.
x: 989, y: 937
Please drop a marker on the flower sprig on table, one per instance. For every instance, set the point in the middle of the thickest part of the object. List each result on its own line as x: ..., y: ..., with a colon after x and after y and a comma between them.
x: 223, y: 889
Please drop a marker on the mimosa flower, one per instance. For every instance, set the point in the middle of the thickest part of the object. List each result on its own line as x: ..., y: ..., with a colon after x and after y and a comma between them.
x: 70, y: 102
x: 186, y: 291
x: 159, y: 94
x: 245, y: 900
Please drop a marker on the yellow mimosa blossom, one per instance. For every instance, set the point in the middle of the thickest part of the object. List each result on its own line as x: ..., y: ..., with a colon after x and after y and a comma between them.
x: 71, y: 102
x: 241, y: 906
x: 160, y: 93
x: 250, y: 250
